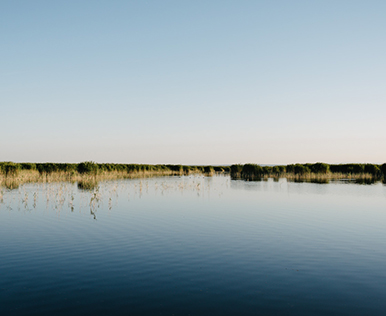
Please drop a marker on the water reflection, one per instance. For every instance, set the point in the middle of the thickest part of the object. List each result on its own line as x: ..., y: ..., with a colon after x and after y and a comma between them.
x: 315, y: 180
x: 366, y: 181
x: 193, y: 245
x: 88, y: 185
x: 320, y: 180
x: 92, y: 195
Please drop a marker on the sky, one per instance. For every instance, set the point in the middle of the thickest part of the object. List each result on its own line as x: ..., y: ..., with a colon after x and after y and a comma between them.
x: 193, y: 82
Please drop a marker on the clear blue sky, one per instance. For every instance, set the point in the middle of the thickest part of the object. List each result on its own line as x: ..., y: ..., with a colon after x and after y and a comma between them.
x: 193, y: 82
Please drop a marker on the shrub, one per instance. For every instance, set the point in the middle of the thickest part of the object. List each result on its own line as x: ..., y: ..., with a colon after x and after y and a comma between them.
x: 320, y: 167
x: 355, y: 168
x: 300, y: 169
x: 28, y: 166
x: 88, y: 167
x: 267, y: 170
x: 47, y: 167
x: 208, y: 169
x: 251, y: 170
x: 282, y: 169
x: 131, y: 168
x: 383, y: 169
x: 226, y: 168
x: 11, y: 169
x: 66, y: 167
x: 290, y: 168
x: 372, y: 169
x: 236, y: 169
x: 176, y: 168
x: 187, y: 169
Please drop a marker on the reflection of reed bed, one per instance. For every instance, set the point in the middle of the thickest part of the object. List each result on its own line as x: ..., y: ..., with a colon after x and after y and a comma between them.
x: 88, y: 184
x: 55, y: 196
x: 329, y: 176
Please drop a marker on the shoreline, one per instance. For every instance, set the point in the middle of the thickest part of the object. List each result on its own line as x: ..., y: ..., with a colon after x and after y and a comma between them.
x: 88, y: 174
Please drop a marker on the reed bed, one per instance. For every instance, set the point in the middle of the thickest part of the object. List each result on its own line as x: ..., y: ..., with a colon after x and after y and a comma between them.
x: 33, y: 176
x: 87, y: 173
x: 318, y: 172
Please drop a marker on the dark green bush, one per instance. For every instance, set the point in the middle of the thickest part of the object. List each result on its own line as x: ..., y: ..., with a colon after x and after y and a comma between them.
x: 236, y: 169
x: 383, y: 170
x: 356, y: 168
x: 187, y: 169
x: 89, y: 167
x: 267, y: 170
x: 47, y: 167
x: 176, y: 168
x: 319, y: 167
x: 11, y: 168
x: 301, y: 169
x: 200, y: 168
x: 67, y: 167
x: 290, y: 168
x: 28, y: 166
x: 208, y: 169
x: 282, y: 169
x: 251, y: 170
x: 372, y: 169
x: 352, y: 168
x: 130, y: 168
x: 221, y: 168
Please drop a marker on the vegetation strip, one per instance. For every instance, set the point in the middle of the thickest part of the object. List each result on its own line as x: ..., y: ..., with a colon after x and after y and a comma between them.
x: 309, y: 171
x: 11, y: 168
x: 88, y: 173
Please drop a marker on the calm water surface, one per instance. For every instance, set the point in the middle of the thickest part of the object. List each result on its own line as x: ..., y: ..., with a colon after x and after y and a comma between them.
x: 193, y: 246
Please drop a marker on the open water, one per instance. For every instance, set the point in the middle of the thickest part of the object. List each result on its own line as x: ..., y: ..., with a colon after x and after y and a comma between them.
x: 193, y: 245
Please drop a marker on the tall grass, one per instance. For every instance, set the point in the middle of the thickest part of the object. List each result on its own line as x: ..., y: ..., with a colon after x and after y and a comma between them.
x: 88, y: 172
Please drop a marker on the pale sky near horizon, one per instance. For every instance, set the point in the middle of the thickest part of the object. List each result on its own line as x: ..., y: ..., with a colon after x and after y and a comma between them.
x: 193, y: 82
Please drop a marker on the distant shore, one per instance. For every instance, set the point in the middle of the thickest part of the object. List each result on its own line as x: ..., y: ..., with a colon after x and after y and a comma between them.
x: 88, y: 173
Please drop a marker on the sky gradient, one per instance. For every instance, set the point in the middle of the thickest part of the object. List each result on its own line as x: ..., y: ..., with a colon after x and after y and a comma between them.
x: 193, y: 82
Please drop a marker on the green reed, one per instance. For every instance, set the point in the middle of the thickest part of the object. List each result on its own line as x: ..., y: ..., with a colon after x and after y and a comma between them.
x: 310, y: 171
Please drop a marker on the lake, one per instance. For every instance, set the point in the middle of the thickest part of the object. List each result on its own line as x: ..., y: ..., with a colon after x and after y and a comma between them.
x: 193, y: 245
